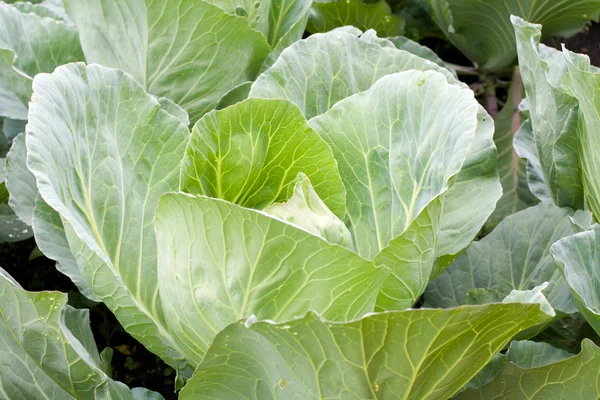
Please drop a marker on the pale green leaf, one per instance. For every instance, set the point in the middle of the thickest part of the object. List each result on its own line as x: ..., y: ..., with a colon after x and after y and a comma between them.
x: 412, y: 354
x: 553, y: 115
x: 525, y: 146
x: 45, y: 9
x: 404, y: 43
x: 514, y: 256
x: 472, y: 195
x: 219, y: 263
x: 396, y: 156
x: 30, y: 44
x: 531, y: 296
x: 543, y: 373
x: 580, y: 255
x: 317, y: 72
x: 482, y: 30
x: 191, y: 52
x: 307, y: 210
x: 51, y: 239
x: 48, y: 350
x: 103, y: 152
x: 326, y: 15
x: 583, y: 81
x: 19, y: 181
x: 249, y: 153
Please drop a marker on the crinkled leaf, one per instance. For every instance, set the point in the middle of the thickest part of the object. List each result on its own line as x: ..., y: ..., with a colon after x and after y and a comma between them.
x: 583, y: 81
x: 249, y: 153
x: 413, y: 354
x: 45, y: 9
x: 103, y: 152
x: 189, y: 51
x: 543, y: 373
x: 553, y: 115
x: 326, y: 15
x: 219, y: 263
x: 515, y: 255
x: 580, y: 255
x: 305, y: 209
x: 317, y: 72
x: 48, y: 349
x: 482, y: 30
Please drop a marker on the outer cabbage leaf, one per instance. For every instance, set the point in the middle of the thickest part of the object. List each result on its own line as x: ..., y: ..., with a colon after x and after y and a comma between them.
x: 20, y: 182
x: 553, y: 115
x: 189, y: 51
x: 326, y: 15
x: 323, y: 69
x: 51, y: 239
x: 538, y: 371
x: 48, y: 349
x: 12, y: 228
x: 103, y: 152
x: 514, y: 256
x: 580, y: 255
x: 249, y: 153
x: 583, y: 81
x: 282, y: 22
x: 404, y: 43
x: 397, y: 156
x: 412, y: 354
x: 30, y: 44
x: 219, y: 263
x: 482, y: 31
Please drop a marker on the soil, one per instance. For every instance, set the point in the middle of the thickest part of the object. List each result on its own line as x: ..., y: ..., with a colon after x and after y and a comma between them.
x: 132, y: 363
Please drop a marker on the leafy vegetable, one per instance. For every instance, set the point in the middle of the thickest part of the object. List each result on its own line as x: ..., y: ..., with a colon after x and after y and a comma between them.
x: 124, y: 153
x: 553, y: 118
x: 415, y: 354
x: 240, y: 262
x: 580, y: 257
x: 190, y: 52
x: 516, y: 255
x: 539, y: 371
x: 48, y: 349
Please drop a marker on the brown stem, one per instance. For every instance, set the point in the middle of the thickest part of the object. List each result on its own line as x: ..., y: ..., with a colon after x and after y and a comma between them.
x: 464, y: 70
x: 491, y: 102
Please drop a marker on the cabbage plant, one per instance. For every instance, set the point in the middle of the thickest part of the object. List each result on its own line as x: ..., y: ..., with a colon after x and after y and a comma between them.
x: 267, y: 214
